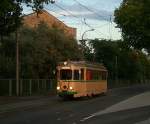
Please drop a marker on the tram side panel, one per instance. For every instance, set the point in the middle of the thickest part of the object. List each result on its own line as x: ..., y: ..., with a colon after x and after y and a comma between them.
x: 96, y: 82
x: 80, y: 88
x: 96, y: 87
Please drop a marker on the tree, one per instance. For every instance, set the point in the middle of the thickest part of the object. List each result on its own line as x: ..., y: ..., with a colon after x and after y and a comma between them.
x: 11, y: 13
x: 122, y: 62
x: 42, y: 48
x: 133, y: 17
x: 105, y: 52
x: 40, y: 51
x: 37, y: 5
x: 10, y: 20
x: 7, y: 58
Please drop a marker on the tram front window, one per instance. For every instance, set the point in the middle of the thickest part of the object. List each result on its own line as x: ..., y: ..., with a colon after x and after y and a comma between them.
x: 65, y: 74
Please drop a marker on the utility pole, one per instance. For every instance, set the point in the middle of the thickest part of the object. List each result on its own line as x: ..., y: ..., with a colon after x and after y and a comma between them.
x: 110, y: 28
x: 116, y: 65
x: 17, y: 63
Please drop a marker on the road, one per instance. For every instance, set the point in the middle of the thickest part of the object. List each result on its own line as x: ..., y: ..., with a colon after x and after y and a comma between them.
x: 124, y: 106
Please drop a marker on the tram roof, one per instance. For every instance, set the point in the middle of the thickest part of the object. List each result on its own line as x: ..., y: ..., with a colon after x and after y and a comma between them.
x: 83, y: 64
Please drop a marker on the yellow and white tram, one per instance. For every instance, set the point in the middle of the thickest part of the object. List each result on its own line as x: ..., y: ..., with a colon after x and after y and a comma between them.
x: 81, y: 78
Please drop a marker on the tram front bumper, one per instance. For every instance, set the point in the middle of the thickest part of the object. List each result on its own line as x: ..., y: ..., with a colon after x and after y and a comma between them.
x: 66, y: 93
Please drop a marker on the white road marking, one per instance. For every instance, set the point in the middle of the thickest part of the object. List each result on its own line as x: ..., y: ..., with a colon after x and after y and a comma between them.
x: 86, y: 118
x: 137, y: 101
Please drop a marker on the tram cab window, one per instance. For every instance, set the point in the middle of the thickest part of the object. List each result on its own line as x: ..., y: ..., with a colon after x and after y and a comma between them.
x: 65, y: 74
x: 76, y: 74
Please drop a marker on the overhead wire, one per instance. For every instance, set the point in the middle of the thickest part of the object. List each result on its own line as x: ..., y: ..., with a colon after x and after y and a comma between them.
x: 100, y: 26
x: 89, y: 26
x: 67, y: 11
x: 96, y: 30
x: 72, y: 15
x: 110, y: 22
x: 91, y: 10
x: 54, y: 12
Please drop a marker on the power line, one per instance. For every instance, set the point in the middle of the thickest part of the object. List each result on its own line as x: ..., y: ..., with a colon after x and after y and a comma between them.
x: 77, y: 22
x: 90, y: 10
x: 101, y: 33
x: 110, y: 28
x: 102, y: 25
x: 87, y: 24
x: 54, y: 11
x: 65, y: 10
x: 94, y: 29
x: 73, y: 15
x: 94, y: 13
x: 69, y: 12
x: 77, y: 17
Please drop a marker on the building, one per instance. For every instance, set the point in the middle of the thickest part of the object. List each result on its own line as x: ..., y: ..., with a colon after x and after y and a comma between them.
x: 32, y: 20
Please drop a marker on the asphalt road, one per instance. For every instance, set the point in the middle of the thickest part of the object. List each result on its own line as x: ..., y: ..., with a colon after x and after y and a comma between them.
x: 97, y: 110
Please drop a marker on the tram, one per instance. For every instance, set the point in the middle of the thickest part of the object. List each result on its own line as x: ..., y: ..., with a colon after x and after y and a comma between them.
x: 81, y: 78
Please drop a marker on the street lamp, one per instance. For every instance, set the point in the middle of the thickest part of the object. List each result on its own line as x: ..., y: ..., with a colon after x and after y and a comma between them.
x: 85, y: 33
x: 52, y: 1
x: 82, y: 41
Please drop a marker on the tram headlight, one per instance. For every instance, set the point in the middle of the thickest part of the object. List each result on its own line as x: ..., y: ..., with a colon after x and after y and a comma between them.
x: 65, y: 63
x: 70, y: 88
x: 58, y: 88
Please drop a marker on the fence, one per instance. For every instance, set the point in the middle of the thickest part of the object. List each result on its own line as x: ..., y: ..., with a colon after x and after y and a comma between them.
x: 126, y: 83
x: 27, y: 86
x: 44, y: 86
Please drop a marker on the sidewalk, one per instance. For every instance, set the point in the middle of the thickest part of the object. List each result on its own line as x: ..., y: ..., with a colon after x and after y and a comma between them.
x: 8, y: 104
x: 137, y: 101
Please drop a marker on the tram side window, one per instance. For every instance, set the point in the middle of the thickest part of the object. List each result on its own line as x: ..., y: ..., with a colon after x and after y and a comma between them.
x: 65, y: 74
x: 89, y: 75
x: 100, y: 75
x: 82, y: 74
x: 76, y: 74
x: 95, y: 75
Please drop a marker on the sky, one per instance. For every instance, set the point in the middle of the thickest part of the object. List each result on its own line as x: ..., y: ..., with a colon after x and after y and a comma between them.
x: 86, y: 15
